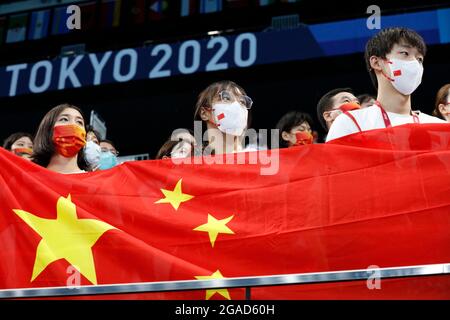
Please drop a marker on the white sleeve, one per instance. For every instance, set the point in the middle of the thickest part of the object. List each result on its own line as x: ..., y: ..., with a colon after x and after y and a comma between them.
x: 342, y: 126
x: 425, y: 118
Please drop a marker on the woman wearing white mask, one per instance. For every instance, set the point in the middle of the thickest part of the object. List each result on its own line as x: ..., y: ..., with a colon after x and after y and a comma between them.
x: 224, y: 108
x: 394, y: 59
x: 92, y: 149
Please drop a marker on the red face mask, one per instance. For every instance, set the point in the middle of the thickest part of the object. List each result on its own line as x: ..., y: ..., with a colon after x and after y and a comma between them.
x: 69, y: 139
x: 22, y: 151
x: 349, y: 106
x: 303, y: 137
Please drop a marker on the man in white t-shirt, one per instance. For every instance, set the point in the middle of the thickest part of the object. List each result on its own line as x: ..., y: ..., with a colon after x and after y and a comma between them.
x: 394, y: 59
x: 329, y: 106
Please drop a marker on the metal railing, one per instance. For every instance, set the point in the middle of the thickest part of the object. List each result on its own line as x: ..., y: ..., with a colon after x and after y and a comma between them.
x: 240, y: 282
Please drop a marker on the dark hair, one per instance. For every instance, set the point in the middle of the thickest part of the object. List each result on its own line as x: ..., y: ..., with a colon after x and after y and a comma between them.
x: 441, y: 97
x: 168, y: 146
x: 325, y: 104
x: 289, y: 121
x: 43, y: 147
x: 108, y: 141
x: 7, y: 144
x: 383, y: 42
x: 166, y: 149
x: 206, y: 97
x: 362, y: 98
x: 90, y: 128
x: 179, y: 130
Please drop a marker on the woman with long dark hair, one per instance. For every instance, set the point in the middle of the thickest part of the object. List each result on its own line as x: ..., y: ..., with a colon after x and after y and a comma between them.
x: 59, y: 141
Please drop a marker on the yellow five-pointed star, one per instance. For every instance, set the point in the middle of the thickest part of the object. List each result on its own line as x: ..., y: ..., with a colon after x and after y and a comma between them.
x: 175, y: 197
x: 65, y: 237
x: 209, y: 293
x: 214, y: 227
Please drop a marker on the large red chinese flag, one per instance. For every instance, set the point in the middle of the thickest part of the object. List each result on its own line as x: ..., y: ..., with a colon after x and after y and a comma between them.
x: 381, y: 198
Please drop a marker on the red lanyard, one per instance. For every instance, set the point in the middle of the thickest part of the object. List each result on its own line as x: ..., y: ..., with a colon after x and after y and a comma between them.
x: 387, y: 121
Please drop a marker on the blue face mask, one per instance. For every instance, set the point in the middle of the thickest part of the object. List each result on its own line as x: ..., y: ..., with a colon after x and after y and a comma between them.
x: 107, y: 160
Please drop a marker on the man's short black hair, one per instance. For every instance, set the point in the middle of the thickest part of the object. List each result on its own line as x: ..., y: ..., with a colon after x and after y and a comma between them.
x: 108, y: 141
x: 383, y: 42
x: 325, y: 104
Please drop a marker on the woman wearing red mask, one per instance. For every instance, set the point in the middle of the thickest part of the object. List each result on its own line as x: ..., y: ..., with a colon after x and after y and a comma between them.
x: 60, y: 139
x: 20, y: 143
x: 295, y: 129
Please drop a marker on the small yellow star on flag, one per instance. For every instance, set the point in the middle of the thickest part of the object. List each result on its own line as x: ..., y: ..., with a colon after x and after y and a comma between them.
x: 175, y: 197
x: 65, y: 237
x: 214, y: 227
x: 209, y: 293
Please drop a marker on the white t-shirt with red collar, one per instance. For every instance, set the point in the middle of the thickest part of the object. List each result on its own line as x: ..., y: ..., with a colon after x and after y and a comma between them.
x: 371, y: 118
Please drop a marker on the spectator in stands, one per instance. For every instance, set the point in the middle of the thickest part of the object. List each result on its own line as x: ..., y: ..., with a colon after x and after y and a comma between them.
x: 180, y: 145
x: 175, y: 149
x: 183, y: 134
x: 92, y: 150
x: 366, y: 100
x: 108, y: 156
x: 20, y: 143
x: 295, y: 129
x: 442, y: 105
x: 59, y: 141
x: 333, y: 103
x: 224, y: 109
x: 92, y: 135
x: 394, y: 59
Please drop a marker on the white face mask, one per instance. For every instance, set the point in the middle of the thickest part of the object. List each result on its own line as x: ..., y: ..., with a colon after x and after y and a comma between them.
x: 405, y: 76
x: 230, y: 118
x: 92, y: 153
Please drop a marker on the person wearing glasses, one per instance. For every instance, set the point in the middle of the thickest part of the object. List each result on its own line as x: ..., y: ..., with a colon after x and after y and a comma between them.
x: 333, y: 103
x: 108, y: 156
x: 442, y: 105
x: 224, y: 108
x: 92, y: 150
